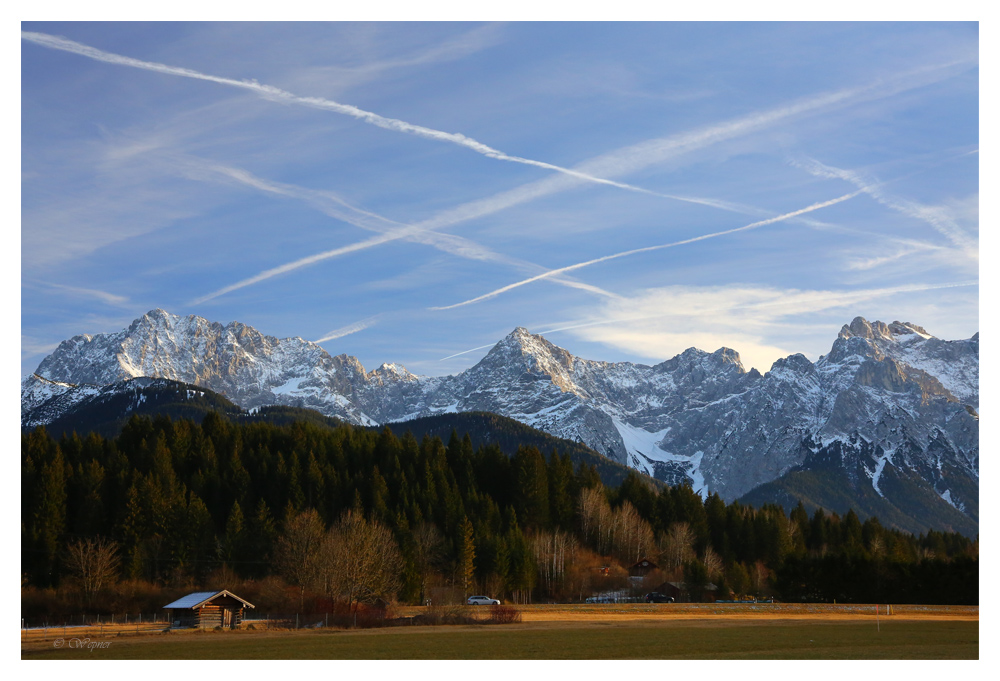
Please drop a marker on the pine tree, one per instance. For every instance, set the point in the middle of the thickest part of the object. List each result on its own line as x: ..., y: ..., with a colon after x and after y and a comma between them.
x: 48, y: 522
x: 231, y: 547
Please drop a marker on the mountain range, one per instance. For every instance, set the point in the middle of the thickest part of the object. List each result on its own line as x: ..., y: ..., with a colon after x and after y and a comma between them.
x: 886, y: 423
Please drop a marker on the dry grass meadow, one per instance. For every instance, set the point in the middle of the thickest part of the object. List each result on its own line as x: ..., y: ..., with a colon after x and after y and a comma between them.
x: 605, y: 631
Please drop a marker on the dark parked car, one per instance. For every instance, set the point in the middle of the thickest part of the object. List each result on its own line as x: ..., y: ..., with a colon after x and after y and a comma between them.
x: 657, y: 597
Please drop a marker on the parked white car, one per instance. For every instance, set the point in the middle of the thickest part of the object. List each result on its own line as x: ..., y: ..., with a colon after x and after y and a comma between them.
x: 482, y: 600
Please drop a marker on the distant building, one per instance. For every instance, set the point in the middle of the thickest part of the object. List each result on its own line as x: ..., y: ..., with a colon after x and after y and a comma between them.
x: 642, y: 568
x: 208, y: 610
x: 682, y: 594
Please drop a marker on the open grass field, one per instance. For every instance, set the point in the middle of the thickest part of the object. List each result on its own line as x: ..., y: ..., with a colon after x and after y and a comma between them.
x: 668, y: 631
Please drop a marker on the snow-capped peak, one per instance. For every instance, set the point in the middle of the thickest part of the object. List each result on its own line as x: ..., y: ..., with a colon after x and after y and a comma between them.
x: 392, y: 372
x: 698, y: 416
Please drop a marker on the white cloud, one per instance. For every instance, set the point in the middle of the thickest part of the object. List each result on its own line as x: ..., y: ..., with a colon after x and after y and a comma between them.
x: 761, y: 323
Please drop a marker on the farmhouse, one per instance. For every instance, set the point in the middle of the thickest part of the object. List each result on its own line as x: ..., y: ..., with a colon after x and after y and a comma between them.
x: 207, y: 610
x: 642, y: 568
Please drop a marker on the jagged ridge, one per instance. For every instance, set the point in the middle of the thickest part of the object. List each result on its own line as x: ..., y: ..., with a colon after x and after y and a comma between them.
x: 699, y: 417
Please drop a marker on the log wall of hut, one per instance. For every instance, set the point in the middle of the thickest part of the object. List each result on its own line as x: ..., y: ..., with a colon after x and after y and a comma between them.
x: 208, y: 617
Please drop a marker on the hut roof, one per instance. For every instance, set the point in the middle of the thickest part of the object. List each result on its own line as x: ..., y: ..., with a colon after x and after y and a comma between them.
x: 201, y: 597
x: 708, y: 586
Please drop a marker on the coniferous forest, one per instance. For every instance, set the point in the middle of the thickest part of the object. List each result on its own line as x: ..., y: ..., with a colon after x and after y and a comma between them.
x: 343, y: 513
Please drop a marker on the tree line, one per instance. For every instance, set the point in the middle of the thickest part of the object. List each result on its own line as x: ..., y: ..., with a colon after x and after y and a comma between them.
x: 358, y: 515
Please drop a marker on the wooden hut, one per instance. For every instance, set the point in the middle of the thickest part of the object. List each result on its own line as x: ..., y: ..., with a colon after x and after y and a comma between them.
x: 207, y: 610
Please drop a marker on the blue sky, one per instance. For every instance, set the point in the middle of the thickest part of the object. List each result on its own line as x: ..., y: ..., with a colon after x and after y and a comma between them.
x: 406, y: 192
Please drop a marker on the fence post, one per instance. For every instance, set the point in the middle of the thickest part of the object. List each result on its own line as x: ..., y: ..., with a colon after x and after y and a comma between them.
x: 296, y: 621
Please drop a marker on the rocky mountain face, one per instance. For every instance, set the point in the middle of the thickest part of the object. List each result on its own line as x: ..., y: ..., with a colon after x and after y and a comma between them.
x: 888, y: 398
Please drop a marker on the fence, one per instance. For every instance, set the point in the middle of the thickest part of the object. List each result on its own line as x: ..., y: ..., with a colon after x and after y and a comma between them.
x: 93, y: 626
x: 616, y: 599
x: 364, y: 618
x: 102, y: 627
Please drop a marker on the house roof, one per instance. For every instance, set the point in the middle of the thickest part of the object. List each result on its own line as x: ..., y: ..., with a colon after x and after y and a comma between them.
x: 709, y: 586
x: 199, y: 598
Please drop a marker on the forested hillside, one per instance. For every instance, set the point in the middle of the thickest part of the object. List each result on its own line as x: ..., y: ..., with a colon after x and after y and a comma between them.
x: 174, y: 502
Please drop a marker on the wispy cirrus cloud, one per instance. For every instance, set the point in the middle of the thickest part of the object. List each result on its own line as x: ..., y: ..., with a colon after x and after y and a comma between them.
x: 79, y: 291
x: 31, y: 347
x: 647, y: 249
x: 449, y: 49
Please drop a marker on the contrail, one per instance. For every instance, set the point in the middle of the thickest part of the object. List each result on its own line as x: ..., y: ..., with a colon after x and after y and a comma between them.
x: 349, y: 329
x: 465, y: 352
x: 277, y: 94
x: 570, y: 268
x: 634, y: 158
x: 335, y: 207
x: 932, y: 215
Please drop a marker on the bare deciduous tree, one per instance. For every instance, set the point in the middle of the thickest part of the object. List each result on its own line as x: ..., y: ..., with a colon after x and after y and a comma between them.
x: 94, y: 562
x: 677, y: 546
x: 713, y: 563
x: 299, y: 551
x: 428, y: 552
x: 759, y: 576
x: 588, y: 508
x: 364, y: 559
x: 633, y: 535
x: 552, y: 549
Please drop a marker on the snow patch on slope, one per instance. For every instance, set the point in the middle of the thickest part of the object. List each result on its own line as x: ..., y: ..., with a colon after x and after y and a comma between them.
x: 643, y: 448
x: 879, y: 467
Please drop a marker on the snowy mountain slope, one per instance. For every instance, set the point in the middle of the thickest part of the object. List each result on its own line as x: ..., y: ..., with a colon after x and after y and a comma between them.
x: 236, y: 360
x: 894, y: 397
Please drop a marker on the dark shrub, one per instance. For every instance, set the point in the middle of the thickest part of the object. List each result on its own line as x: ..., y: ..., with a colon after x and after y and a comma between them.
x: 504, y: 614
